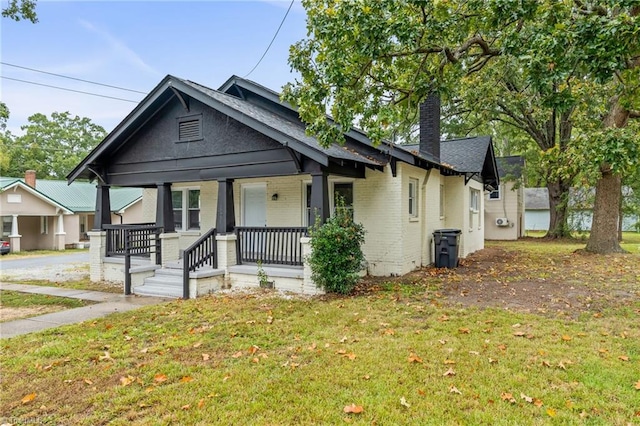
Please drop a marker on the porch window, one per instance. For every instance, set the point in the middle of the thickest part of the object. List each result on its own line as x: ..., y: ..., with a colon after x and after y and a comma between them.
x: 186, y: 209
x: 6, y: 225
x: 413, y: 198
x: 342, y: 189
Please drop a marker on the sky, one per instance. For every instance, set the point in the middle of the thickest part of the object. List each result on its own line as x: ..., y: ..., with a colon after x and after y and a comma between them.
x: 133, y: 45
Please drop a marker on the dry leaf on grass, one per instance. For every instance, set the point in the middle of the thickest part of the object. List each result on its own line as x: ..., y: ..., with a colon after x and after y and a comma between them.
x: 28, y: 398
x: 353, y: 409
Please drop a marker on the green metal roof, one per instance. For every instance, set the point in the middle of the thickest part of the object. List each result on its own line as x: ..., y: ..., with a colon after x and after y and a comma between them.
x: 79, y: 196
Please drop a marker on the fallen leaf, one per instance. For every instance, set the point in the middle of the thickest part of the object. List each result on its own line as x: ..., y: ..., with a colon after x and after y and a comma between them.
x: 519, y: 333
x: 566, y: 338
x: 623, y: 358
x: 414, y: 358
x: 186, y: 379
x: 637, y: 386
x: 255, y: 360
x: 159, y: 378
x: 492, y: 361
x: 126, y: 381
x: 28, y: 398
x: 526, y: 398
x: 404, y: 402
x: 389, y: 332
x: 201, y: 403
x: 506, y: 396
x: 449, y: 361
x: 421, y: 392
x: 237, y: 354
x: 537, y: 402
x: 205, y: 357
x: 350, y: 355
x: 353, y: 409
x: 454, y: 389
x: 474, y: 352
x: 344, y: 339
x: 186, y: 407
x: 449, y: 372
x: 197, y: 344
x: 253, y: 349
x: 551, y: 412
x: 87, y: 381
x: 464, y: 330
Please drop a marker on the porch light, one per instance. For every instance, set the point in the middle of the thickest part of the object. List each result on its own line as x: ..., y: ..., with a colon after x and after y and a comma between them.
x: 274, y: 197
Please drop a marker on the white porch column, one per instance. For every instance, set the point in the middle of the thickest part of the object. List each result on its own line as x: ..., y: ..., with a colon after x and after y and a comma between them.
x: 226, y: 246
x: 14, y: 238
x: 170, y: 246
x: 308, y: 286
x: 97, y: 247
x: 61, y: 236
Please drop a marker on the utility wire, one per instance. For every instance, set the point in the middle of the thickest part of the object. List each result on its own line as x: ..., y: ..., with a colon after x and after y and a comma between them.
x: 272, y: 40
x: 72, y: 78
x: 69, y: 90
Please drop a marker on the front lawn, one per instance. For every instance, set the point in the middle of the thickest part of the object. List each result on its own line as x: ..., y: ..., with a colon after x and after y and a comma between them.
x: 14, y: 305
x: 398, y: 353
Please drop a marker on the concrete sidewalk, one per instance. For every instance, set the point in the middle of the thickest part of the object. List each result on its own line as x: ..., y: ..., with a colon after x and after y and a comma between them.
x: 108, y: 303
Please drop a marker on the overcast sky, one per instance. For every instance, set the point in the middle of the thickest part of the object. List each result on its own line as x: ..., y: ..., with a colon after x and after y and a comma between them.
x: 134, y: 45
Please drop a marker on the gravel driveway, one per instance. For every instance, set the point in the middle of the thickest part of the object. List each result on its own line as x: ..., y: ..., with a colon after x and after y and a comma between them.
x: 55, y: 268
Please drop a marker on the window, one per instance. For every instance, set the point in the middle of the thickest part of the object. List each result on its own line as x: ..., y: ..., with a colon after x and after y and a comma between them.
x: 7, y: 222
x: 413, y: 198
x: 186, y: 209
x: 44, y: 225
x: 342, y: 189
x: 189, y: 128
x: 474, y: 208
x: 495, y: 194
x: 442, y: 201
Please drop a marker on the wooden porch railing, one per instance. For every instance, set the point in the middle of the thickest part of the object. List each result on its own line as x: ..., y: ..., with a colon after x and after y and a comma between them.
x: 275, y: 246
x: 200, y: 253
x: 140, y: 240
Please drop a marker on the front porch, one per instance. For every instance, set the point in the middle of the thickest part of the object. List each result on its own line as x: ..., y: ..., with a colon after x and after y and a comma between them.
x: 251, y: 257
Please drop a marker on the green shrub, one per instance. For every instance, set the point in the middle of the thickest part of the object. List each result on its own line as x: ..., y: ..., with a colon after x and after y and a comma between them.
x: 336, y: 256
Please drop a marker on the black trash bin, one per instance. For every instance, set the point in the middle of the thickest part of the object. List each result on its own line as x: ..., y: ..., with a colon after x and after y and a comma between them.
x: 446, y: 242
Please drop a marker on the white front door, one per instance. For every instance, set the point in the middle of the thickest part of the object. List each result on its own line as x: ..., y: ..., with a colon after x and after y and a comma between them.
x: 254, y: 205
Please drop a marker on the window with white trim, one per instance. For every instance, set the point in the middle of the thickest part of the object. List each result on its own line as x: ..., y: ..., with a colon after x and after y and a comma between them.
x: 339, y: 189
x: 474, y: 207
x: 413, y: 198
x: 495, y: 194
x: 7, y: 222
x: 442, y: 200
x: 186, y: 209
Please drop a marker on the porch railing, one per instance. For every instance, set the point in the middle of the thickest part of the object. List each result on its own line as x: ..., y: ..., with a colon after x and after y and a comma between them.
x: 202, y: 252
x: 141, y: 240
x: 275, y: 246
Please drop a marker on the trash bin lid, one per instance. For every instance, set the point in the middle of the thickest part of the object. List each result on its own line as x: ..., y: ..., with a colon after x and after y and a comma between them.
x: 447, y: 231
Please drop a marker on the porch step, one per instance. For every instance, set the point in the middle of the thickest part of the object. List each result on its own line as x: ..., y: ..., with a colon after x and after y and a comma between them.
x: 166, y: 282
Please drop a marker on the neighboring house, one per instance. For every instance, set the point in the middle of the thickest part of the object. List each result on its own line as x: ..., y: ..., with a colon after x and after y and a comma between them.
x: 580, y: 210
x: 504, y: 206
x: 53, y: 215
x: 238, y: 160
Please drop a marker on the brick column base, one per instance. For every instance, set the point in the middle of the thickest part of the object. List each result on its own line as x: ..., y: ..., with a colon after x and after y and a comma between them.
x: 97, y: 247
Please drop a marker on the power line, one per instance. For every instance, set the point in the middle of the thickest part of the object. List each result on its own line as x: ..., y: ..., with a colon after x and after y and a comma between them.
x: 272, y: 40
x: 69, y: 90
x: 72, y: 78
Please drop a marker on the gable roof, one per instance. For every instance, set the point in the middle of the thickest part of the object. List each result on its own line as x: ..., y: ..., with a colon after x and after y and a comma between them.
x: 78, y: 197
x: 260, y: 108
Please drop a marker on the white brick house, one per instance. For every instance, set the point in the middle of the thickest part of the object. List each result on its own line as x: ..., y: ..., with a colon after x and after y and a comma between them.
x: 238, y: 160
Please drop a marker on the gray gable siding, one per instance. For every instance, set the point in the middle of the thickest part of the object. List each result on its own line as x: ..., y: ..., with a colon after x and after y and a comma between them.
x: 154, y: 154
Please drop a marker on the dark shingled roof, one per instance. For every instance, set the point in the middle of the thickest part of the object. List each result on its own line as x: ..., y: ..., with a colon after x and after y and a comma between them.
x: 463, y: 155
x: 279, y: 123
x: 536, y: 198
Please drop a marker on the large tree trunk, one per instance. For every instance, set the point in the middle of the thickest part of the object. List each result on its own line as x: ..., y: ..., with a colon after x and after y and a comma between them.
x: 604, y: 228
x: 558, y: 209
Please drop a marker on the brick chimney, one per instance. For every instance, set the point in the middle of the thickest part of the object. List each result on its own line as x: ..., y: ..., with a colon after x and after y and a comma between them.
x: 430, y: 126
x: 30, y: 178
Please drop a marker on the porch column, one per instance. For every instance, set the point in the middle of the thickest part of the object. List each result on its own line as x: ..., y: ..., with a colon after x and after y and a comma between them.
x: 61, y: 236
x: 164, y: 208
x: 225, y: 215
x: 103, y: 207
x: 14, y: 238
x: 319, y: 197
x: 97, y: 248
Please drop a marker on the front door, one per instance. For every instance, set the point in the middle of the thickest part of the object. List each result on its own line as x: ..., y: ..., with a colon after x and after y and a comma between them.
x: 254, y: 205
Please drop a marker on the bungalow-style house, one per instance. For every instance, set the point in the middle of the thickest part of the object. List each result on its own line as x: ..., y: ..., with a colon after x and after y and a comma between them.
x: 53, y: 215
x: 232, y: 182
x: 504, y: 206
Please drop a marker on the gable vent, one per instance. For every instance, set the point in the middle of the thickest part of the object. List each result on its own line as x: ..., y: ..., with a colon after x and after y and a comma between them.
x: 189, y: 130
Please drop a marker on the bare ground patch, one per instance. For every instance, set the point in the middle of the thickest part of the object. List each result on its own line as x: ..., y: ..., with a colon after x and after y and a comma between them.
x: 9, y: 313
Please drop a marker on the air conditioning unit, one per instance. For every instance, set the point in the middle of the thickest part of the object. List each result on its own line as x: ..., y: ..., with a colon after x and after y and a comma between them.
x: 502, y: 221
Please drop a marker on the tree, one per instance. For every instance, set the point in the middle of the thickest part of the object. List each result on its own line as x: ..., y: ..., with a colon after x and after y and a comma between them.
x: 21, y: 9
x: 372, y: 63
x: 53, y: 147
x: 6, y: 139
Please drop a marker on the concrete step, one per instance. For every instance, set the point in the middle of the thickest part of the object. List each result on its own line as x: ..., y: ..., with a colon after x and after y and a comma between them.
x: 158, y: 290
x: 169, y: 272
x: 166, y: 283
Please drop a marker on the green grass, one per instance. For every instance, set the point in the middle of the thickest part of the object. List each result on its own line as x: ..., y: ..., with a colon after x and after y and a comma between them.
x: 266, y: 360
x: 37, y: 304
x: 83, y: 284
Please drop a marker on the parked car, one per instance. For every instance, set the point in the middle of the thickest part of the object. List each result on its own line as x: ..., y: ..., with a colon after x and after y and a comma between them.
x: 5, y: 247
